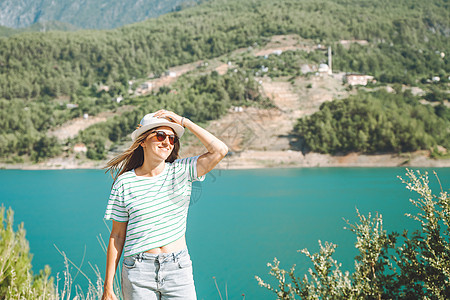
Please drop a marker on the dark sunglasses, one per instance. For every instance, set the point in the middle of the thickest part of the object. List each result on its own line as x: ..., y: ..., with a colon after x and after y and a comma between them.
x: 161, y: 136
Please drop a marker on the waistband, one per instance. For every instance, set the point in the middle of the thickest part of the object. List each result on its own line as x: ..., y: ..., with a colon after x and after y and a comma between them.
x: 161, y: 256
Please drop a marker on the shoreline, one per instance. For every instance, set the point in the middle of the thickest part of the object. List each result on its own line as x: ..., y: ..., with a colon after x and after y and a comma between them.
x: 251, y: 159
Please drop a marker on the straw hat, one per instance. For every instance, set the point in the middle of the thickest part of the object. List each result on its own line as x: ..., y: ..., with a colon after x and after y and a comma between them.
x: 149, y: 121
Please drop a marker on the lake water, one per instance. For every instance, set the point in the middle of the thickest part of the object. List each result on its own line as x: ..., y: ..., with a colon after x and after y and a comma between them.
x: 239, y: 219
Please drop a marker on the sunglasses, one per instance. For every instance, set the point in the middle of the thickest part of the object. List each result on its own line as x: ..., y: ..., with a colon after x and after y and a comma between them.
x: 161, y: 136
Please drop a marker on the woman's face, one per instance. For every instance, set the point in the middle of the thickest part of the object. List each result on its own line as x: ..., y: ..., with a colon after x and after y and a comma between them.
x: 156, y: 149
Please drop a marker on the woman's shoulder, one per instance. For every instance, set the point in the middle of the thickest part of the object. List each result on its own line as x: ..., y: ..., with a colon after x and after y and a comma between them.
x: 125, y: 177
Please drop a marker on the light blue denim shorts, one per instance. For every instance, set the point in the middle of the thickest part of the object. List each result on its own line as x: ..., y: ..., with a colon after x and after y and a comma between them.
x: 158, y: 276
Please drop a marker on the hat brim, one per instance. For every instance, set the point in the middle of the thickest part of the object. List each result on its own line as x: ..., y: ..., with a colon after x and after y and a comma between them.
x: 178, y: 129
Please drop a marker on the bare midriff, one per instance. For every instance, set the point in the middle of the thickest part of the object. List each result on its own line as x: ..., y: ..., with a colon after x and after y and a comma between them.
x: 175, y: 246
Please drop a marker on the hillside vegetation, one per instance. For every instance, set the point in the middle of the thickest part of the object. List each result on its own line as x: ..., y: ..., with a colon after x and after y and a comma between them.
x: 405, y: 42
x: 56, y: 63
x: 376, y: 122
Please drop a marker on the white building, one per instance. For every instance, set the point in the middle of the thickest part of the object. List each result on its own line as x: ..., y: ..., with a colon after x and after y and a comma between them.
x: 118, y: 99
x: 358, y: 79
x: 80, y: 148
x: 146, y: 86
x: 277, y: 52
x: 324, y: 69
x: 71, y: 105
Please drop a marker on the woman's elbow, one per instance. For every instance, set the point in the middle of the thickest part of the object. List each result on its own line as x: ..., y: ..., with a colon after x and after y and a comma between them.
x: 223, y: 151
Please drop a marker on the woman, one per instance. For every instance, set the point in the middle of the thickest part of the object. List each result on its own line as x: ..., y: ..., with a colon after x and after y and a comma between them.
x: 148, y: 204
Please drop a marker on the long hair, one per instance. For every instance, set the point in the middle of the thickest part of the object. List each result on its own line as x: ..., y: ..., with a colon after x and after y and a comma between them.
x: 133, y: 157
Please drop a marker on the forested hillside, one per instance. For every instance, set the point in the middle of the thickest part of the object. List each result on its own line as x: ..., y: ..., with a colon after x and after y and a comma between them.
x: 376, y: 122
x: 53, y: 64
x: 408, y: 43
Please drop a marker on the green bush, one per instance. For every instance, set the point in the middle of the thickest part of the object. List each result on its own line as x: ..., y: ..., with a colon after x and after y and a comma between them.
x: 16, y: 277
x: 389, y: 265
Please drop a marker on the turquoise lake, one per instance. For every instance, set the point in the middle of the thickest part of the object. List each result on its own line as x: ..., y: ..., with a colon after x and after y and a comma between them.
x: 239, y: 220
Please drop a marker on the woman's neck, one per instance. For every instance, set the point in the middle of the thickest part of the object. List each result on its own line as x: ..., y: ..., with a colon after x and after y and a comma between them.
x: 150, y: 168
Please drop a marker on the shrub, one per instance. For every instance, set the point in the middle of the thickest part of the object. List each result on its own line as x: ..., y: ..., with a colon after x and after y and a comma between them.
x: 16, y: 278
x: 388, y: 266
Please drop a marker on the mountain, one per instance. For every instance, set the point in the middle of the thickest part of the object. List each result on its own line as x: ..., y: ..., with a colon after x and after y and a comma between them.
x: 88, y: 14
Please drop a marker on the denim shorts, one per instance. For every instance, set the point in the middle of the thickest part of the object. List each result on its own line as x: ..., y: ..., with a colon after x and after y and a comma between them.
x: 158, y: 276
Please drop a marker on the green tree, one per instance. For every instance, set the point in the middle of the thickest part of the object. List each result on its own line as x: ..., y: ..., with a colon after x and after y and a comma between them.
x: 45, y: 147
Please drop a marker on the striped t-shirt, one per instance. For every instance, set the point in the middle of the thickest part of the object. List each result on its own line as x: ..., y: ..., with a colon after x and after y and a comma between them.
x: 155, y: 207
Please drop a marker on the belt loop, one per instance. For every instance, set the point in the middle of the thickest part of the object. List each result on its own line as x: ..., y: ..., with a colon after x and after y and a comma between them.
x: 140, y: 257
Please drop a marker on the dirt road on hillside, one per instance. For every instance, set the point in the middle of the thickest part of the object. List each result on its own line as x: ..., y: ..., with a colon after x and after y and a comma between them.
x: 71, y: 128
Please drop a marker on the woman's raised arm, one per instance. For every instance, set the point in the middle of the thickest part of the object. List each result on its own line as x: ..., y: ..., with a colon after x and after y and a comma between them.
x: 216, y: 148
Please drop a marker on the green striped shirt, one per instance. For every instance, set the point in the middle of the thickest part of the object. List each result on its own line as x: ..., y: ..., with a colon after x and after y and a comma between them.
x: 155, y: 207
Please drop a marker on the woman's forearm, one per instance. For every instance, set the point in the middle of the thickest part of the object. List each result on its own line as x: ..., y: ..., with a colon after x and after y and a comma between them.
x: 216, y: 148
x: 212, y: 144
x: 113, y: 254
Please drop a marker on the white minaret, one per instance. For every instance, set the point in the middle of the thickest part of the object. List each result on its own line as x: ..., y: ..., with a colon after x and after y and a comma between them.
x: 330, y: 69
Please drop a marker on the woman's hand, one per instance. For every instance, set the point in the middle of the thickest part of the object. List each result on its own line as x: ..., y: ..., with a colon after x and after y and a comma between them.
x: 108, y: 294
x: 169, y: 115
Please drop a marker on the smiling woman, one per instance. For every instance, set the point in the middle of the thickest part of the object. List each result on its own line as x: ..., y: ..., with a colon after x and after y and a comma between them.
x: 148, y: 205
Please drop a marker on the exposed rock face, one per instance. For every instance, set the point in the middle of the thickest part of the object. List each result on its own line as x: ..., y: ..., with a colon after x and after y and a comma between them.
x: 20, y: 13
x: 90, y: 14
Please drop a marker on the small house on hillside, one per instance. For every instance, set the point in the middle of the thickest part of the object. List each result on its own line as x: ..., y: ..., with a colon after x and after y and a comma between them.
x: 277, y: 52
x: 146, y: 86
x: 358, y: 79
x: 324, y: 69
x: 305, y: 68
x: 170, y: 74
x: 103, y: 88
x: 348, y: 42
x: 435, y: 79
x: 80, y: 148
x: 71, y: 105
x: 117, y: 99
